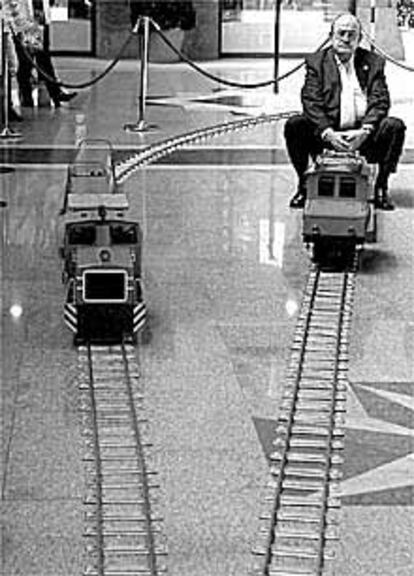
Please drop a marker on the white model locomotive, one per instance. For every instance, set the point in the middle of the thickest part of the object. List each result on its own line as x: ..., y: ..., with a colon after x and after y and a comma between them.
x: 339, y: 214
x: 101, y: 251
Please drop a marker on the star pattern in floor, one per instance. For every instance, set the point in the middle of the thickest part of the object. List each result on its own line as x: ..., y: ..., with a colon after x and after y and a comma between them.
x: 379, y: 444
x: 229, y: 100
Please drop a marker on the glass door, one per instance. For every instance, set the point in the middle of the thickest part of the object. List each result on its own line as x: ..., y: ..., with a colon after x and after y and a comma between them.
x: 72, y: 27
x: 248, y: 26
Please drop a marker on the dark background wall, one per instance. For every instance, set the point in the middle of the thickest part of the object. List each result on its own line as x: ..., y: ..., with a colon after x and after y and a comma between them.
x: 113, y: 24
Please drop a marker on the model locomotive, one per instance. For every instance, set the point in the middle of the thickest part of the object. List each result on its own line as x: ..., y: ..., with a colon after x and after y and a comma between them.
x: 101, y: 252
x: 339, y: 213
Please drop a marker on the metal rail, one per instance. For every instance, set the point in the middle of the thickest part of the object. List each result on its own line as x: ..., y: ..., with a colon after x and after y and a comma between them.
x: 155, y: 152
x: 300, y: 523
x: 123, y: 528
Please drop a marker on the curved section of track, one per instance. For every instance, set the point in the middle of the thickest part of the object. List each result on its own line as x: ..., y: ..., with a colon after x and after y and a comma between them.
x: 122, y: 525
x: 155, y: 152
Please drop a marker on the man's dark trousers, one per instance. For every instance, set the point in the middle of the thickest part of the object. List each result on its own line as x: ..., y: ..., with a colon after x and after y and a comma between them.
x: 383, y: 146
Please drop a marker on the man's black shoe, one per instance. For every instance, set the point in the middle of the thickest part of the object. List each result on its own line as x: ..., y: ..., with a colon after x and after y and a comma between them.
x: 384, y: 203
x: 15, y: 116
x: 298, y: 200
x: 66, y: 96
x: 382, y: 200
x: 62, y: 97
x: 26, y: 99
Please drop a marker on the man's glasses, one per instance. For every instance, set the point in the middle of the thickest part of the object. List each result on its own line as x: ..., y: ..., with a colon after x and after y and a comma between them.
x: 351, y: 34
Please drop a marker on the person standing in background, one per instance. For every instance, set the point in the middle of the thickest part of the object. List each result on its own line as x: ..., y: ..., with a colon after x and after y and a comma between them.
x: 33, y: 45
x: 8, y: 11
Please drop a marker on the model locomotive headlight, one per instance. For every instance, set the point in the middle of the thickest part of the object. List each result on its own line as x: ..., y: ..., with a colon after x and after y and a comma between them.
x: 16, y: 310
x: 105, y: 255
x: 291, y: 307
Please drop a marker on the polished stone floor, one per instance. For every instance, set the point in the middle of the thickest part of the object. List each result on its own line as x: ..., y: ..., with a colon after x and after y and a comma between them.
x: 224, y: 270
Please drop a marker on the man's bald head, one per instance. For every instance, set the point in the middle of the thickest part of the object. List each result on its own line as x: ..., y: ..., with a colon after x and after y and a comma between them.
x: 345, y: 35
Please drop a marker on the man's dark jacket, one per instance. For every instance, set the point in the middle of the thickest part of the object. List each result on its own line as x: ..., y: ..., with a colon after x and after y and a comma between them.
x: 322, y: 88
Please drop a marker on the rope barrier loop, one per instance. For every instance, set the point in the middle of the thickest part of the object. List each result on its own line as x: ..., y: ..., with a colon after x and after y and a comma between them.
x: 44, y: 76
x: 256, y: 85
x: 384, y: 54
x: 219, y: 80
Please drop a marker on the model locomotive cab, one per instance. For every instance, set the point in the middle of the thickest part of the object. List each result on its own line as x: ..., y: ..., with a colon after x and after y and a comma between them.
x: 337, y: 212
x: 92, y: 171
x: 101, y: 252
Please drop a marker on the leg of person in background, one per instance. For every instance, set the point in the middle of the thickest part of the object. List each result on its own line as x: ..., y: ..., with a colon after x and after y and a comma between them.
x: 44, y: 62
x: 14, y: 116
x: 385, y: 147
x: 12, y: 67
x: 301, y: 144
x: 24, y: 77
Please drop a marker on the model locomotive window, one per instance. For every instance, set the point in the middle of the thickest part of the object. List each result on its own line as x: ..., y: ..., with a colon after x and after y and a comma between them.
x: 108, y: 286
x: 326, y: 186
x: 124, y: 233
x: 86, y: 170
x: 84, y: 234
x: 347, y: 187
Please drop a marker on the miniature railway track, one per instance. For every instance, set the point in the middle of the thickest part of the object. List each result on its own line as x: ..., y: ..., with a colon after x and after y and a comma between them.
x: 299, y: 526
x: 300, y: 520
x: 155, y: 152
x: 122, y: 527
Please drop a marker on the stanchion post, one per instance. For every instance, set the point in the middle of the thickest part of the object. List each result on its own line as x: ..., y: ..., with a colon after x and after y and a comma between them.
x: 143, y: 30
x: 6, y: 132
x: 144, y: 51
x: 372, y: 21
x: 277, y: 38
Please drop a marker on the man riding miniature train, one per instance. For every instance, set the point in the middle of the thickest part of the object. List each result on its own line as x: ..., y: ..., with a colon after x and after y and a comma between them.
x: 345, y: 101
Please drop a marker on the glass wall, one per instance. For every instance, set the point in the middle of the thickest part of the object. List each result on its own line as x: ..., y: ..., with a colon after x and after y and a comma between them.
x: 248, y: 26
x: 71, y: 27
